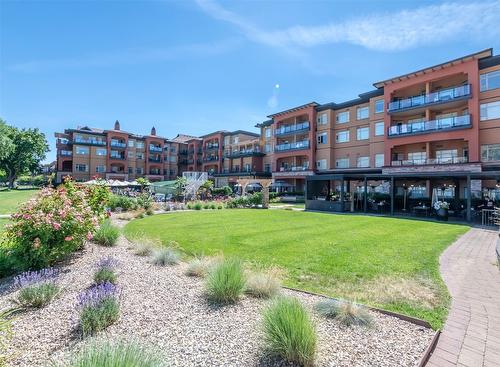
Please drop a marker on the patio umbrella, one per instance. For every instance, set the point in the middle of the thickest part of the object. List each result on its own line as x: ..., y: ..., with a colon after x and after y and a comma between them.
x: 434, y: 198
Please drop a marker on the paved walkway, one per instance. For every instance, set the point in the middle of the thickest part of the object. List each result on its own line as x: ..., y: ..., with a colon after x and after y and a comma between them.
x: 471, y: 335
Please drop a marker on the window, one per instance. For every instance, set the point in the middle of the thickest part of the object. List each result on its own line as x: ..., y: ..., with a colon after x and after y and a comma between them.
x: 139, y: 144
x: 446, y: 156
x: 362, y: 113
x: 321, y: 164
x: 490, y: 152
x: 82, y: 150
x: 101, y: 151
x: 66, y: 153
x: 342, y: 163
x: 173, y: 149
x: 490, y: 111
x: 81, y: 167
x: 379, y: 160
x: 268, y: 132
x: 139, y: 170
x: 100, y: 169
x: 343, y: 117
x: 236, y: 139
x: 139, y: 155
x: 363, y: 162
x: 379, y: 106
x: 321, y: 138
x: 417, y: 157
x: 490, y: 81
x: 172, y: 158
x: 62, y: 141
x: 323, y: 119
x: 131, y: 143
x: 363, y: 133
x: 130, y: 155
x: 267, y: 148
x: 248, y: 167
x: 267, y: 167
x: 342, y: 136
x: 379, y: 128
x: 131, y: 170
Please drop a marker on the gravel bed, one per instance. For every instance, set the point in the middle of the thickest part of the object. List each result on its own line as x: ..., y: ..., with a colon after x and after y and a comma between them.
x: 165, y: 309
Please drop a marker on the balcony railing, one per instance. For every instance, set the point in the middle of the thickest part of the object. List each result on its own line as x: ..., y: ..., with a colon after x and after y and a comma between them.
x: 153, y: 148
x: 65, y: 153
x: 89, y: 141
x: 294, y: 168
x: 430, y: 161
x: 292, y: 129
x: 116, y: 156
x: 243, y: 170
x: 156, y: 160
x: 156, y: 173
x: 243, y: 153
x: 304, y: 144
x: 210, y: 159
x: 431, y: 98
x: 430, y: 126
x: 117, y: 144
x: 211, y: 146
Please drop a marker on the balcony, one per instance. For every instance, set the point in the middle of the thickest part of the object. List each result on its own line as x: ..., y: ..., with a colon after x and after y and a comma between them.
x: 449, y: 123
x: 442, y: 96
x: 154, y: 160
x: 116, y: 156
x: 117, y: 144
x: 212, y: 147
x: 89, y: 141
x: 244, y: 153
x: 153, y: 148
x: 430, y: 161
x: 294, y: 168
x: 292, y: 129
x: 210, y: 159
x: 183, y: 152
x: 65, y: 153
x: 304, y: 144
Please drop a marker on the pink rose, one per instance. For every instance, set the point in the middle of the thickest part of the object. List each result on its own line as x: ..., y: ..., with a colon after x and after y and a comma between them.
x: 56, y: 226
x: 68, y: 238
x: 89, y: 235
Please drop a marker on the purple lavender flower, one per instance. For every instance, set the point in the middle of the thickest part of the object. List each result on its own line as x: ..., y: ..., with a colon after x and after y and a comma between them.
x: 94, y: 295
x: 29, y: 278
x: 108, y: 262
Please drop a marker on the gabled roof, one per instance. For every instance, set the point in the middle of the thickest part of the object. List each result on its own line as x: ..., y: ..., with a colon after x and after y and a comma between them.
x: 255, y: 135
x: 264, y: 123
x: 477, y: 55
x: 310, y: 104
x: 183, y: 138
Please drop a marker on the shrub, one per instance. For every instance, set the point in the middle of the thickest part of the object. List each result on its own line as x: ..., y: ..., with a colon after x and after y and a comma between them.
x: 226, y: 282
x: 166, y: 256
x: 206, y: 206
x: 106, y: 270
x: 149, y: 211
x: 189, y: 206
x: 212, y: 206
x: 115, y: 354
x: 36, y: 288
x: 199, y: 267
x: 346, y: 312
x: 52, y: 225
x: 143, y: 248
x: 123, y: 202
x: 140, y: 215
x: 262, y: 285
x: 107, y: 234
x: 288, y: 331
x: 197, y: 206
x: 145, y: 201
x: 99, y: 308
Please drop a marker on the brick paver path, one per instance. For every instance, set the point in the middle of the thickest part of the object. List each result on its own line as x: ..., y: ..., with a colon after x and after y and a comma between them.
x: 471, y: 335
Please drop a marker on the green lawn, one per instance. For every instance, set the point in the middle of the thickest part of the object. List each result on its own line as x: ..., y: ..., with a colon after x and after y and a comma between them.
x: 11, y: 199
x: 385, y: 262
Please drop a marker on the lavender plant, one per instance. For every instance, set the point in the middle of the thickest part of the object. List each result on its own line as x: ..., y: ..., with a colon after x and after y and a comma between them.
x: 36, y: 288
x: 106, y: 270
x: 99, y: 308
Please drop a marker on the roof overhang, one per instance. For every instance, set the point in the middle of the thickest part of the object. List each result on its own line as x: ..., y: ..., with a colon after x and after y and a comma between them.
x: 475, y: 56
x: 294, y: 109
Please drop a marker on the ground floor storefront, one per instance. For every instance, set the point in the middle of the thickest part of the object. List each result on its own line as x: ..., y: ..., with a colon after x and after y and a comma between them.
x: 460, y: 196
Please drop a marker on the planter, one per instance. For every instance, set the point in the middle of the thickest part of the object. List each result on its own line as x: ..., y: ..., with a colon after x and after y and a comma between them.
x: 442, y: 214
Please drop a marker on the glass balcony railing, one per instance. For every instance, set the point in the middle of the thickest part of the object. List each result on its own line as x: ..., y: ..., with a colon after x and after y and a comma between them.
x: 445, y: 95
x: 153, y: 148
x: 210, y: 159
x: 294, y: 168
x: 291, y: 129
x: 304, y: 144
x: 117, y: 144
x: 242, y: 153
x: 89, y: 141
x: 430, y: 126
x: 157, y: 160
x: 430, y: 161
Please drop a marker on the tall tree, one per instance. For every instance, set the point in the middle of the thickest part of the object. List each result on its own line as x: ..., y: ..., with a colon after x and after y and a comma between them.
x: 21, y: 151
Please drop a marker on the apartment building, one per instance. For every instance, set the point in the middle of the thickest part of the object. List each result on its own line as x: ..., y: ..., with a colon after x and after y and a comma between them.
x: 87, y: 152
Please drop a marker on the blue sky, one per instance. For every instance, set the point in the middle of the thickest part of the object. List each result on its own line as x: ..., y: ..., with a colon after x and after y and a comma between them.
x: 198, y: 66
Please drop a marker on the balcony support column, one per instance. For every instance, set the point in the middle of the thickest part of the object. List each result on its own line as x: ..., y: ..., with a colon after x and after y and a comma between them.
x: 342, y: 182
x: 365, y: 194
x: 469, y: 199
x: 392, y: 194
x: 428, y: 150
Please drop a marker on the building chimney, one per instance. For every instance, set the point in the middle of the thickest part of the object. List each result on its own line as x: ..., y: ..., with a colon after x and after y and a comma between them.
x: 117, y: 125
x: 153, y: 131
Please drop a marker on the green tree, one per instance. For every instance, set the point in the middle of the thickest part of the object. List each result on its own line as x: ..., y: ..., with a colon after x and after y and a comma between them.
x: 180, y: 185
x: 21, y: 151
x: 143, y: 182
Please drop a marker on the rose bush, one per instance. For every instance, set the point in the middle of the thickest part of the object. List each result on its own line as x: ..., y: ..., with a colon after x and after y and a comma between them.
x: 52, y: 225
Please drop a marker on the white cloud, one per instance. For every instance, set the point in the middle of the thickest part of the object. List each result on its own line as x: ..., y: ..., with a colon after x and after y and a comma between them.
x: 405, y: 29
